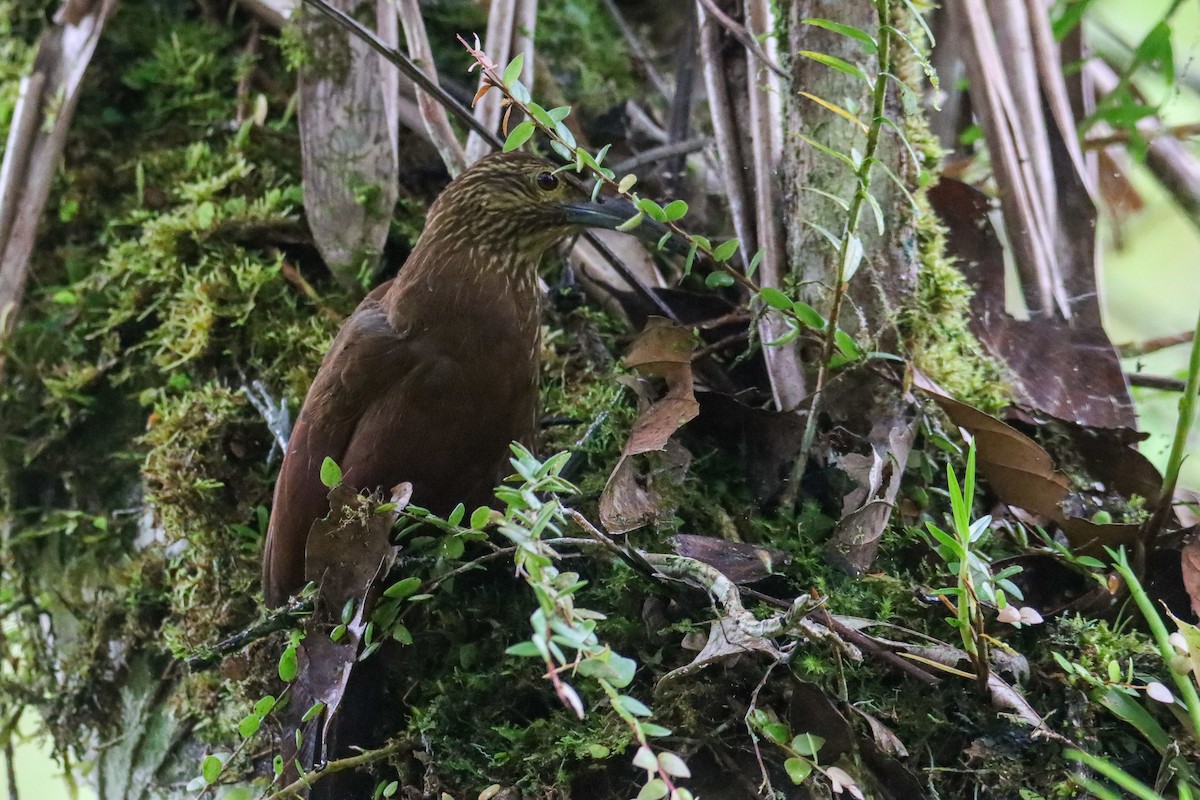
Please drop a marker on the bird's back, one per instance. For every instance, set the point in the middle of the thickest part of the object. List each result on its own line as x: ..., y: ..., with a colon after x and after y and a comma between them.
x: 408, y: 392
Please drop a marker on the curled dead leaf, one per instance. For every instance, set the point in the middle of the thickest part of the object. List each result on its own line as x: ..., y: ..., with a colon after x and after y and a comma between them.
x: 629, y: 500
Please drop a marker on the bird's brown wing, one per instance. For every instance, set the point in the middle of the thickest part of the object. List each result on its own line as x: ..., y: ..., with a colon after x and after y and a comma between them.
x: 367, y: 354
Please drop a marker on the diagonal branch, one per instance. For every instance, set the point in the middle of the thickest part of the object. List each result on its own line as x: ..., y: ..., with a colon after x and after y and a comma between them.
x: 411, y: 70
x: 433, y: 113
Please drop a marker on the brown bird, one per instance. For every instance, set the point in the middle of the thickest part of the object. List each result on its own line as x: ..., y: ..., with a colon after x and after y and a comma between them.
x: 436, y: 371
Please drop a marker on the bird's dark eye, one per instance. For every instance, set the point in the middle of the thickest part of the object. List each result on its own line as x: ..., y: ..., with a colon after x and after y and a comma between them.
x: 547, y: 181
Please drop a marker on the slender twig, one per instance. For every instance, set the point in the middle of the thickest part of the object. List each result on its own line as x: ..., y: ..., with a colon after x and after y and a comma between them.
x: 868, y: 644
x: 292, y: 275
x: 655, y: 154
x: 498, y: 41
x: 765, y: 787
x: 406, y: 66
x: 433, y: 113
x: 10, y: 770
x: 860, y: 196
x: 279, y: 620
x: 1161, y: 382
x: 306, y: 780
x: 679, y: 115
x: 719, y: 345
x: 1134, y: 349
x: 634, y: 558
x: 1124, y: 136
x: 249, y: 52
x: 743, y: 36
x: 732, y: 157
x: 639, y: 51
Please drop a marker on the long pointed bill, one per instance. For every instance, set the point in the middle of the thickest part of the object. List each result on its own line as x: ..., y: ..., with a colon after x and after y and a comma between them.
x: 613, y: 213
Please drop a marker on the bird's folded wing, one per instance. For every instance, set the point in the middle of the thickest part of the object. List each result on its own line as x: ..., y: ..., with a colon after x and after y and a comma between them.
x: 367, y: 355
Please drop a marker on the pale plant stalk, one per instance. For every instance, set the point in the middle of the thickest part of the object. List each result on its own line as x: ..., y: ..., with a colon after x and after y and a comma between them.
x: 1187, y: 689
x: 1187, y: 418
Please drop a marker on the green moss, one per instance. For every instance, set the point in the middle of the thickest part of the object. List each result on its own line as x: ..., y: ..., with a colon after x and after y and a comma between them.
x: 17, y: 30
x: 937, y: 330
x: 935, y: 324
x: 591, y: 58
x: 159, y: 292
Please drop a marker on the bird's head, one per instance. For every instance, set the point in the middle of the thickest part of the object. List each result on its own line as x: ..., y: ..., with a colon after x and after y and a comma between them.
x: 518, y: 198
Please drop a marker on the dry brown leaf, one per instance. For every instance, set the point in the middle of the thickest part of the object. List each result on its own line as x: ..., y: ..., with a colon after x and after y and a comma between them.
x: 348, y: 553
x: 876, y: 470
x: 767, y: 441
x: 726, y: 640
x: 738, y: 561
x: 884, y: 737
x: 1022, y: 473
x: 1070, y: 371
x: 629, y: 501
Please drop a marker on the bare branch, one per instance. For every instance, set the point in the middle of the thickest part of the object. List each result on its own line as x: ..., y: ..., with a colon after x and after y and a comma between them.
x: 433, y: 113
x: 41, y: 119
x: 1170, y: 160
x: 408, y: 68
x: 784, y: 368
x: 638, y: 49
x: 744, y: 37
x: 1134, y: 349
x: 659, y: 153
x: 1123, y: 137
x: 298, y: 788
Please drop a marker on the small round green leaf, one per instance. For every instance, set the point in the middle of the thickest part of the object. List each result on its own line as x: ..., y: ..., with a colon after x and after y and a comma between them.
x: 797, y: 769
x: 654, y: 789
x: 676, y: 209
x: 524, y: 650
x: 331, y: 473
x: 264, y: 706
x: 402, y: 634
x: 519, y: 136
x: 725, y: 250
x: 775, y: 298
x: 211, y: 768
x: 480, y: 517
x: 288, y: 664
x: 249, y: 725
x: 807, y: 744
x: 513, y: 70
x: 808, y: 315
